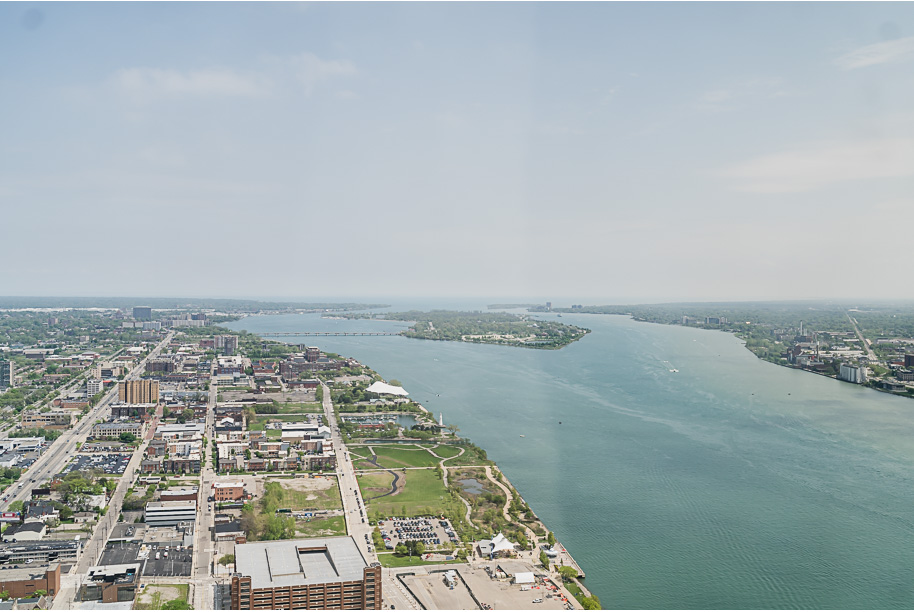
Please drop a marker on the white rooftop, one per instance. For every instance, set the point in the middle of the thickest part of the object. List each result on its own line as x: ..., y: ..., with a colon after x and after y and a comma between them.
x: 385, y: 389
x: 299, y: 562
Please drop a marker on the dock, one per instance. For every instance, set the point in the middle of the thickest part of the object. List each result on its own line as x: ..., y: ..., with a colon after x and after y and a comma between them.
x: 565, y: 558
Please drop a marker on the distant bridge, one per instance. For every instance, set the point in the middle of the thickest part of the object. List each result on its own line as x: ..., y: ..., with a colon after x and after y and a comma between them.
x: 328, y: 334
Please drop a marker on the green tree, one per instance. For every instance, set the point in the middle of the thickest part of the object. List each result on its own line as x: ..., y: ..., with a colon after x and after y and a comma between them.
x: 551, y: 539
x: 568, y: 573
x: 591, y: 603
x: 17, y: 506
x: 226, y: 559
x: 127, y: 437
x: 544, y: 560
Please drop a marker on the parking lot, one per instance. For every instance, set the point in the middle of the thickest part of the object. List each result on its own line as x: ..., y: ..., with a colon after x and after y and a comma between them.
x: 433, y: 532
x: 434, y: 594
x: 110, y: 463
x: 171, y: 561
x: 117, y: 553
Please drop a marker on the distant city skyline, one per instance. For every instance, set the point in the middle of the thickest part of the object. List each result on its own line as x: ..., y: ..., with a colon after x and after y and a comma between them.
x: 608, y: 152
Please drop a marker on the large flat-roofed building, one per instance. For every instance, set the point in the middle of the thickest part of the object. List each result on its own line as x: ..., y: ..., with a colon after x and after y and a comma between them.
x: 110, y: 583
x: 112, y: 431
x: 23, y: 582
x: 162, y: 514
x: 142, y: 313
x: 313, y: 574
x: 138, y: 391
x: 47, y: 420
x: 40, y: 553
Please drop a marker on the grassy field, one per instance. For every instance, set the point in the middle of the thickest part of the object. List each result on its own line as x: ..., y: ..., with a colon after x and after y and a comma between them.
x: 392, y: 560
x: 424, y: 493
x: 469, y: 457
x: 299, y: 408
x: 374, y: 484
x: 322, y: 527
x: 446, y: 451
x: 395, y: 456
x: 325, y: 499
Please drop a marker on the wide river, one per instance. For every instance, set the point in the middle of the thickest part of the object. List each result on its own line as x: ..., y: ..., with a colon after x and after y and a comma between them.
x: 730, y: 483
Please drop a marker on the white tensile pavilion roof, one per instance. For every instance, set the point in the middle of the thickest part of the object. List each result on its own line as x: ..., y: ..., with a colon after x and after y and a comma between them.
x: 385, y: 389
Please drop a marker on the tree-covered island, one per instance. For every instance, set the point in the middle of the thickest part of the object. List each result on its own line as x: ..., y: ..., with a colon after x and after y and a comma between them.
x: 483, y: 328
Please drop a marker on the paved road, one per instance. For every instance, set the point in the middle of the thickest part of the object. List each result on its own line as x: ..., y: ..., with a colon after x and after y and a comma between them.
x: 863, y: 341
x: 204, y: 547
x: 93, y: 548
x: 62, y: 449
x: 353, y: 505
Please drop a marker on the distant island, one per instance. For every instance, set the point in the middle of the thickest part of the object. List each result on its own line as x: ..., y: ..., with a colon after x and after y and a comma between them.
x: 483, y: 328
x: 507, y: 306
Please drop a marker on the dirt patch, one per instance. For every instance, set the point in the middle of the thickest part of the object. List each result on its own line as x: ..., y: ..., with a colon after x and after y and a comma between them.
x: 304, y: 484
x: 154, y: 596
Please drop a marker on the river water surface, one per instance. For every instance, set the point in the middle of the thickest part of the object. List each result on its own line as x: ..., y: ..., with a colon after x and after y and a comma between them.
x: 730, y: 483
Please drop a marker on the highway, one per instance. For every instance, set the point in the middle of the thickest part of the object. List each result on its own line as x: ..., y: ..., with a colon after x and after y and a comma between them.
x: 863, y: 341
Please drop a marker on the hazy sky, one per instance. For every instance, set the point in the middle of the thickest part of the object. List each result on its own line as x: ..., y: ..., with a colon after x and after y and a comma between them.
x: 613, y: 151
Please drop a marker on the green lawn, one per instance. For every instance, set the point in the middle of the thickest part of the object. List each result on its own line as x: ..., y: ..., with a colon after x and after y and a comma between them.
x: 374, y: 484
x: 402, y: 455
x: 424, y: 492
x: 301, y: 407
x: 322, y: 527
x: 392, y: 560
x: 259, y: 420
x: 469, y: 457
x: 446, y: 451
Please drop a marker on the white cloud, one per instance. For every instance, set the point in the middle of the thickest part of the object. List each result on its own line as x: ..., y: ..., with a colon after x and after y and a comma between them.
x: 824, y: 164
x: 310, y: 70
x: 900, y: 49
x: 216, y: 82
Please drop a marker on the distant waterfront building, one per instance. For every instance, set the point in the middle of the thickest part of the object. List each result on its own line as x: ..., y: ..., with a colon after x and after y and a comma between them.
x: 908, y: 360
x: 312, y: 354
x: 548, y: 305
x: 142, y: 313
x: 7, y: 374
x: 138, y: 391
x: 227, y: 344
x: 712, y: 320
x: 852, y: 373
x: 904, y: 374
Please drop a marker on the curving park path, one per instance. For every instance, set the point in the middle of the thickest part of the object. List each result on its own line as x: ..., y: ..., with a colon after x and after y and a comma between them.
x: 393, y: 485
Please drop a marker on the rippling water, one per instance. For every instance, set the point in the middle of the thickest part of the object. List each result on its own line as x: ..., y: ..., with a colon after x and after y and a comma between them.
x: 730, y: 483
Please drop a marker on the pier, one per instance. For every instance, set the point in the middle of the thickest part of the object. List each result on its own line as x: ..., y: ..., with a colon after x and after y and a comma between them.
x: 275, y: 334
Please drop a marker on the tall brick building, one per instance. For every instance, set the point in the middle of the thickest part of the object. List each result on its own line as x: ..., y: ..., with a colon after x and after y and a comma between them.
x: 138, y: 391
x: 313, y: 574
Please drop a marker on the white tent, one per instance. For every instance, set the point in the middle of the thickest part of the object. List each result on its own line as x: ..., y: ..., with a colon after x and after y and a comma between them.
x: 500, y: 543
x: 524, y: 578
x: 385, y: 389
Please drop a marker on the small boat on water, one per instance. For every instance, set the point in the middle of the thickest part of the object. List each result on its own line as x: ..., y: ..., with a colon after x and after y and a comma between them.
x: 523, y: 436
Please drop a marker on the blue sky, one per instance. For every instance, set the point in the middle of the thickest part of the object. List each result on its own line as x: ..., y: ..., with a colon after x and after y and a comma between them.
x: 605, y: 151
